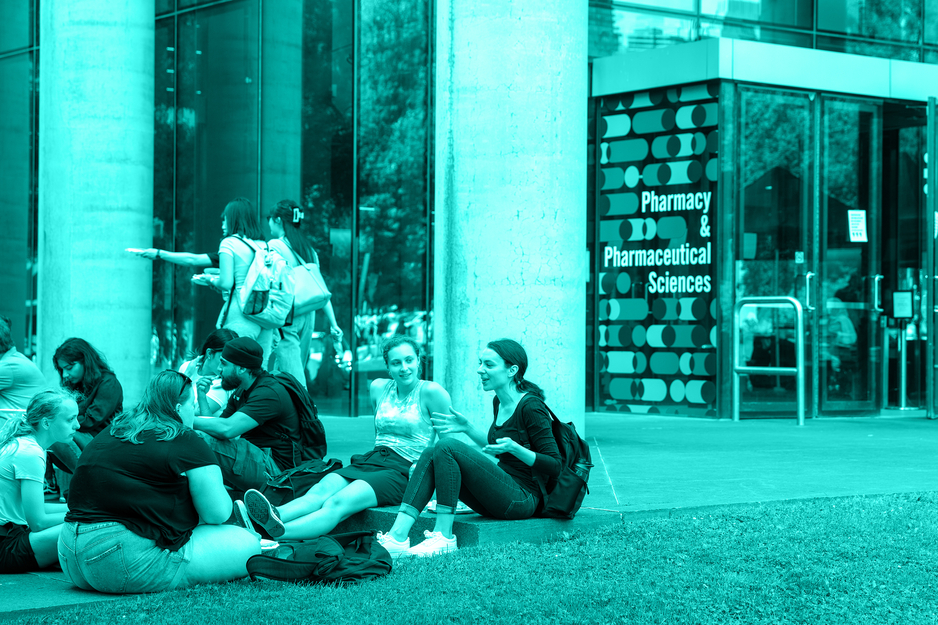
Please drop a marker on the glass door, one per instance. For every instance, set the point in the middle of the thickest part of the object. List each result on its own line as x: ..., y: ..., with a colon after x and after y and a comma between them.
x: 847, y: 298
x: 774, y: 247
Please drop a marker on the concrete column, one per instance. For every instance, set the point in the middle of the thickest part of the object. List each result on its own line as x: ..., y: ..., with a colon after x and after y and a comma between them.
x: 510, y: 227
x: 96, y: 181
x: 281, y: 102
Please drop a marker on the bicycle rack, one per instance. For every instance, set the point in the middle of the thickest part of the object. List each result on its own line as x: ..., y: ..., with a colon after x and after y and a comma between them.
x: 797, y: 370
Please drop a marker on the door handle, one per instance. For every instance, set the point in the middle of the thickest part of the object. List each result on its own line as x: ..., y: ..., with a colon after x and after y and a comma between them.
x: 808, y: 277
x: 877, y: 293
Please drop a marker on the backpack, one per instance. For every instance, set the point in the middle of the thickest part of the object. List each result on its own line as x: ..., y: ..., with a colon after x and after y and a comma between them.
x: 266, y: 296
x: 312, y: 435
x: 350, y: 557
x: 564, y: 494
x: 296, y: 482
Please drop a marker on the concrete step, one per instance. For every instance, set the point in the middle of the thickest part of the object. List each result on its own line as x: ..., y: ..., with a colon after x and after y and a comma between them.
x: 473, y: 529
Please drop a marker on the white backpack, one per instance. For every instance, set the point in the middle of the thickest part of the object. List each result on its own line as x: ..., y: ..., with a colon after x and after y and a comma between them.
x: 267, y: 294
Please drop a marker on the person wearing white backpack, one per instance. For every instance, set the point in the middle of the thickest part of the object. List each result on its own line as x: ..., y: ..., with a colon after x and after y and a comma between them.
x: 292, y: 351
x: 243, y: 236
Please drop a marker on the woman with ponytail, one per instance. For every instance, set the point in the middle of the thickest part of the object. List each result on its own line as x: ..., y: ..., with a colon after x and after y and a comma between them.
x: 292, y: 351
x: 520, y: 437
x: 29, y: 527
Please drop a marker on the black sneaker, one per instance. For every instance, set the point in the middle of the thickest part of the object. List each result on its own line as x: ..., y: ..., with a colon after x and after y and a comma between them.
x: 264, y: 513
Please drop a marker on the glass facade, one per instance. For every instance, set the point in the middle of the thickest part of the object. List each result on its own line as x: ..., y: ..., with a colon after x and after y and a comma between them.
x: 19, y: 120
x: 326, y: 103
x: 896, y: 29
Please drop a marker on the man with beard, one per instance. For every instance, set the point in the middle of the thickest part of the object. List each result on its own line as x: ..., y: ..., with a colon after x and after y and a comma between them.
x: 258, y: 431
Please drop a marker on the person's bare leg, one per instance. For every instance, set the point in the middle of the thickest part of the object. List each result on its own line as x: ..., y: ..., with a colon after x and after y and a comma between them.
x: 356, y: 497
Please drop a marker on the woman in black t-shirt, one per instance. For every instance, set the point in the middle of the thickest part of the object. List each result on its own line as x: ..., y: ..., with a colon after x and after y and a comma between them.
x: 137, y: 498
x: 520, y: 437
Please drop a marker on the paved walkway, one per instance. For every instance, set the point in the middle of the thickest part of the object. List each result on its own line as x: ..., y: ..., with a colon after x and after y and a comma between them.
x: 656, y: 463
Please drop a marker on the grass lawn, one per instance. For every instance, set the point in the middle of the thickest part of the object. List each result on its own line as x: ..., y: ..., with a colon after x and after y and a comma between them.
x: 861, y: 560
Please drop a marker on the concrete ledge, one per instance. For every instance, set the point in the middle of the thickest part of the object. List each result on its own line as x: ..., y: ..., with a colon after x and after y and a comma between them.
x: 473, y: 529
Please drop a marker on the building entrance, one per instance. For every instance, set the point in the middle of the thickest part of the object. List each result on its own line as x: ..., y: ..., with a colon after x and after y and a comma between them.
x: 817, y: 190
x: 830, y: 199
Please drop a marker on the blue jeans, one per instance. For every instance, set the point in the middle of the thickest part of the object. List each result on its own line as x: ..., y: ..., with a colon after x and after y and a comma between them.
x: 458, y: 471
x: 108, y: 557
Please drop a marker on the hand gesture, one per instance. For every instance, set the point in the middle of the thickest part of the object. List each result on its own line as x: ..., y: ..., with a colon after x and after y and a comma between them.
x: 502, y: 445
x: 449, y: 423
x: 203, y: 384
x: 149, y: 253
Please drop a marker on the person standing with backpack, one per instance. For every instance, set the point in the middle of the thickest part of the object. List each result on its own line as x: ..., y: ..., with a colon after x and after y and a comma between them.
x: 243, y: 237
x: 520, y: 437
x: 293, y: 348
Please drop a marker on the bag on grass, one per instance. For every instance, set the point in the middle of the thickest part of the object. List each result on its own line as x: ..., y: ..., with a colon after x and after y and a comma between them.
x: 564, y: 494
x: 296, y: 482
x: 350, y: 557
x: 312, y: 434
x: 267, y: 294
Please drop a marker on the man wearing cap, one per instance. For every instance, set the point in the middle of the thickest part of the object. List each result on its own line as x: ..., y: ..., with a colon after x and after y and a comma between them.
x: 256, y: 433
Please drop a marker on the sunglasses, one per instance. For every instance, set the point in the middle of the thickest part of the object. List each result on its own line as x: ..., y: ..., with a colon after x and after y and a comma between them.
x: 186, y: 380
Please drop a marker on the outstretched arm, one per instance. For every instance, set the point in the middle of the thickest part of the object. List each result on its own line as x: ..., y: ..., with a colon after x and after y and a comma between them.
x: 176, y: 258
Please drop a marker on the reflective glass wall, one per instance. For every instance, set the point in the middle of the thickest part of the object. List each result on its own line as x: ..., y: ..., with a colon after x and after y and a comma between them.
x: 19, y: 67
x: 325, y: 103
x: 898, y: 29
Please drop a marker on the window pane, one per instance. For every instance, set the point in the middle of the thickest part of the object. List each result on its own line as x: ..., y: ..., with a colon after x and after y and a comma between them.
x: 755, y: 33
x: 216, y: 146
x: 614, y: 30
x: 931, y: 21
x: 393, y: 178
x: 884, y: 50
x: 790, y: 13
x: 17, y: 209
x: 164, y: 6
x: 16, y: 17
x: 327, y: 184
x: 898, y: 20
x: 163, y: 351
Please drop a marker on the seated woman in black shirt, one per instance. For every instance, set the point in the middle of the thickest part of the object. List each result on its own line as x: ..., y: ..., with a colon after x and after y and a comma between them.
x: 138, y: 495
x: 520, y: 437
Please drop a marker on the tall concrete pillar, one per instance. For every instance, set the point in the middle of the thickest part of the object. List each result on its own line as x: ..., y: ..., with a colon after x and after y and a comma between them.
x: 510, y: 247
x: 96, y: 181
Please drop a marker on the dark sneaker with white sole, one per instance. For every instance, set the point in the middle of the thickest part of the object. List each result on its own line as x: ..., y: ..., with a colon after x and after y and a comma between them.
x: 264, y: 513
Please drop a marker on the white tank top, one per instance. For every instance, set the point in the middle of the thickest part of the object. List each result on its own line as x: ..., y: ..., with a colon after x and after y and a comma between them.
x: 400, y: 423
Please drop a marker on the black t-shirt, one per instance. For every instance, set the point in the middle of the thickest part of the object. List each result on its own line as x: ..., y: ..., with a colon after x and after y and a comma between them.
x: 140, y: 486
x: 268, y: 403
x: 528, y: 425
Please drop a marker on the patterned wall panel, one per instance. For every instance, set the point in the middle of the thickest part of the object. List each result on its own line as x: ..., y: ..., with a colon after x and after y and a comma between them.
x: 656, y: 281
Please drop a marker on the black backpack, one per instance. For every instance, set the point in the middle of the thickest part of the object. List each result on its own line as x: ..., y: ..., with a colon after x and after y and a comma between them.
x: 312, y: 434
x: 296, y: 482
x: 350, y: 557
x: 564, y: 494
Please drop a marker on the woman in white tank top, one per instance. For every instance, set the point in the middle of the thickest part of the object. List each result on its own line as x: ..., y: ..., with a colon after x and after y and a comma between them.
x: 403, y: 405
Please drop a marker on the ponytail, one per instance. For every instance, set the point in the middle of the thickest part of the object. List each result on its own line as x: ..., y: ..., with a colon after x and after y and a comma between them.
x: 526, y: 386
x: 44, y: 405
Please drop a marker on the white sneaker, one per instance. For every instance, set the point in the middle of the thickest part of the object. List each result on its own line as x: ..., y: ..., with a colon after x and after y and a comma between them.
x: 395, y: 547
x: 435, y: 544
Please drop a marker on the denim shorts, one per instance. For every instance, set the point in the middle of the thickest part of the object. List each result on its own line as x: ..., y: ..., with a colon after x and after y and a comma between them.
x: 108, y: 557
